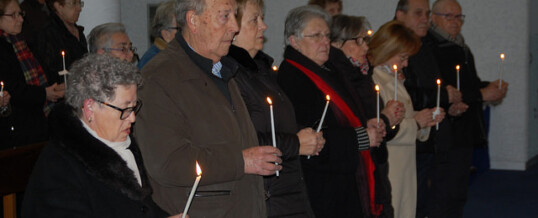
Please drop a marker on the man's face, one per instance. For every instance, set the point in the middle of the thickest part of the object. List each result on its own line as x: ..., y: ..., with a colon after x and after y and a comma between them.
x: 448, y: 17
x: 333, y: 8
x: 121, y: 47
x: 416, y: 17
x: 214, y: 28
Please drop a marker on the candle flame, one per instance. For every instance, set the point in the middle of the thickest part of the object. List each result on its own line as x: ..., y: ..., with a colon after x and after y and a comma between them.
x: 370, y: 32
x: 2, y: 83
x: 328, y: 97
x: 63, y: 53
x: 438, y: 81
x: 502, y: 56
x: 377, y: 88
x: 198, y: 169
x: 395, y: 67
x: 275, y: 68
x: 269, y: 101
x: 457, y: 67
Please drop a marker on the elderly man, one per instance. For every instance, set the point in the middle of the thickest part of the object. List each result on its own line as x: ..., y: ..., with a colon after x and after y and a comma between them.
x: 421, y: 75
x: 194, y: 113
x: 163, y: 29
x: 469, y: 130
x: 111, y: 39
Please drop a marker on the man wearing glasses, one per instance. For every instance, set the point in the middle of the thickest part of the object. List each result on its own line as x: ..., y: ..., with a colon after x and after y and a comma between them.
x: 111, y: 39
x: 469, y: 129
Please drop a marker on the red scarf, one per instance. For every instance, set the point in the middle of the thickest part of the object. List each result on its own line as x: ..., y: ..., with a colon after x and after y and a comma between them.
x: 375, y: 209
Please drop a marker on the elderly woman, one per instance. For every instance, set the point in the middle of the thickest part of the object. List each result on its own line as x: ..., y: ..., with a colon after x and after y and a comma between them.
x: 349, y: 35
x: 392, y: 45
x: 286, y: 194
x: 163, y: 29
x: 111, y: 39
x: 91, y: 166
x: 330, y: 177
x: 31, y: 91
x: 61, y: 34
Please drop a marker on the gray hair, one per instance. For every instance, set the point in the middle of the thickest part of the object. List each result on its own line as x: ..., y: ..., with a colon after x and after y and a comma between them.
x: 100, y: 36
x: 437, y: 5
x: 183, y: 6
x: 298, y: 18
x: 345, y: 27
x: 163, y: 18
x: 97, y: 77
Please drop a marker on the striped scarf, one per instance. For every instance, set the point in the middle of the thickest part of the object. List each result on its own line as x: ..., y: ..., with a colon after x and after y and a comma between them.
x: 33, y: 73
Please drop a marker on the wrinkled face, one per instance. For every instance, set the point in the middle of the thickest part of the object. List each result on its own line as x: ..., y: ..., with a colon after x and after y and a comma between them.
x: 333, y: 8
x: 250, y: 36
x: 70, y: 11
x: 215, y: 28
x: 122, y: 47
x: 11, y: 24
x: 400, y: 60
x: 356, y: 48
x: 448, y: 18
x: 417, y: 17
x: 314, y: 41
x: 106, y: 120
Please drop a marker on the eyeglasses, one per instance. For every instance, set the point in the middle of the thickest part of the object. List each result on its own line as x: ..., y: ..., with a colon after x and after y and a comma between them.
x: 460, y: 17
x: 16, y: 15
x: 125, y: 112
x: 173, y: 28
x: 124, y: 50
x: 75, y: 3
x: 359, y: 40
x: 318, y: 36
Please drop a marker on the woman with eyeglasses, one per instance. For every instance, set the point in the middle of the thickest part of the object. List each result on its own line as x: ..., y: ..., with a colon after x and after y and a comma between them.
x: 338, y: 180
x: 392, y: 45
x: 32, y: 94
x: 92, y: 167
x: 61, y: 34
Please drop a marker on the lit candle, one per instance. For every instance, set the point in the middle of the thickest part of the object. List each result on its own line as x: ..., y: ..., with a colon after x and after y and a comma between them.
x: 272, y: 127
x: 2, y: 90
x: 370, y: 32
x: 64, y: 71
x: 458, y: 76
x: 275, y: 68
x: 63, y: 58
x: 193, y: 190
x: 377, y: 90
x: 438, y: 101
x: 395, y: 67
x: 501, y: 70
x: 322, y: 116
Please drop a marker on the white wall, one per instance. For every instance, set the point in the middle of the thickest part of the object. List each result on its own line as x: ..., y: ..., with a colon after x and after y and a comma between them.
x: 97, y: 12
x: 533, y: 91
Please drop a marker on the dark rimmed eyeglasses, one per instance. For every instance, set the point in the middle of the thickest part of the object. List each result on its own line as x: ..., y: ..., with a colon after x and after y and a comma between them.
x: 15, y: 15
x: 125, y: 112
x: 319, y: 36
x: 459, y: 17
x: 124, y: 50
x: 173, y: 28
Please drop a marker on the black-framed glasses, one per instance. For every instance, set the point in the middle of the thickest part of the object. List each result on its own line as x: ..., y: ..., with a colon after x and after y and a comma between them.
x: 172, y: 28
x: 360, y: 40
x: 460, y: 17
x: 125, y: 112
x: 15, y: 15
x: 319, y: 36
x: 124, y: 50
x: 75, y: 3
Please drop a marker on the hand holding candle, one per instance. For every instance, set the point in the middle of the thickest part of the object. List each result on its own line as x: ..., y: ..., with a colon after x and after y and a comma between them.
x: 458, y: 76
x: 64, y: 71
x: 501, y: 70
x: 395, y: 67
x: 273, y: 136
x: 193, y: 190
x: 322, y: 116
x: 436, y: 112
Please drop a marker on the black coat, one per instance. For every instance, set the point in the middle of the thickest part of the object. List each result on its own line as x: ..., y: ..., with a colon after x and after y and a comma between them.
x: 330, y: 177
x: 50, y: 42
x: 469, y: 129
x: 285, y: 195
x: 77, y: 175
x: 27, y: 122
x: 37, y: 16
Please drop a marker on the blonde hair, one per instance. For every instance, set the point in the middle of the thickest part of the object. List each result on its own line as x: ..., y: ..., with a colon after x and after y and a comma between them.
x: 390, y: 40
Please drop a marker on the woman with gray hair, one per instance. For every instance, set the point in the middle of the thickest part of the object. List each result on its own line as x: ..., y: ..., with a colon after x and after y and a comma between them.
x: 91, y: 166
x: 337, y: 180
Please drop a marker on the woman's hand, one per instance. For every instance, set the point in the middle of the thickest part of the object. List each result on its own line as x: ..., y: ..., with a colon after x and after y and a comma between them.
x: 5, y: 99
x: 424, y: 118
x: 311, y: 142
x: 54, y: 92
x: 394, y: 111
x: 457, y: 109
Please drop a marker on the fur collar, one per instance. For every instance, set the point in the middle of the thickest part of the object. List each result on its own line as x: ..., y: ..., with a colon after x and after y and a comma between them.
x: 101, y: 161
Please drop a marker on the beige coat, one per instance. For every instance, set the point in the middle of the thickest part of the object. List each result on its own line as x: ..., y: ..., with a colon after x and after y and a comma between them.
x: 402, y: 148
x: 185, y: 118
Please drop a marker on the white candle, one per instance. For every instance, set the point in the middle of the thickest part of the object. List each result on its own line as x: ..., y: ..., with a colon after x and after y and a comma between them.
x: 501, y: 70
x: 64, y: 71
x: 193, y: 190
x: 322, y: 116
x: 2, y: 90
x: 458, y: 76
x: 377, y: 90
x: 395, y: 67
x: 63, y: 58
x: 438, y: 102
x: 273, y: 136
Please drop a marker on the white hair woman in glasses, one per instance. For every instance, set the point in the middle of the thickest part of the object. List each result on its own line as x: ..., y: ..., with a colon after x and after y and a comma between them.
x: 91, y: 166
x: 111, y: 39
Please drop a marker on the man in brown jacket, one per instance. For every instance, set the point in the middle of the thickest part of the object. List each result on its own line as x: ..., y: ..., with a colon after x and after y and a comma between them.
x: 193, y: 111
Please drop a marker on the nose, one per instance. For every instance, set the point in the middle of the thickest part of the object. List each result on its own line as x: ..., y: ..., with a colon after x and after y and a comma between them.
x: 234, y: 27
x: 263, y: 26
x: 132, y: 117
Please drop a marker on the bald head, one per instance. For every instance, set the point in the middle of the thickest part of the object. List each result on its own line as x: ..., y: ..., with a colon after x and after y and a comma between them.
x: 447, y: 16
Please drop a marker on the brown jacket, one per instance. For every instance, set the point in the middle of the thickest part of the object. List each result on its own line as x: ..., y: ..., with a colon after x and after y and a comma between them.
x: 186, y: 118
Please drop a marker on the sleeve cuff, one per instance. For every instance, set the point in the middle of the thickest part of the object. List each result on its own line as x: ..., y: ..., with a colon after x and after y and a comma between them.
x: 362, y: 138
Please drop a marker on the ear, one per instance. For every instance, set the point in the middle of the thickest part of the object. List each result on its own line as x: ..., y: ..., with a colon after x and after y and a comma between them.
x: 87, y: 109
x: 294, y: 42
x: 100, y: 51
x: 399, y: 15
x: 191, y: 20
x: 56, y: 5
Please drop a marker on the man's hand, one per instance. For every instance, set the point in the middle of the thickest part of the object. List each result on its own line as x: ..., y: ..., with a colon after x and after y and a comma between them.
x: 310, y: 142
x: 261, y: 160
x: 425, y: 118
x: 492, y: 92
x: 457, y: 109
x: 454, y: 95
x: 53, y: 93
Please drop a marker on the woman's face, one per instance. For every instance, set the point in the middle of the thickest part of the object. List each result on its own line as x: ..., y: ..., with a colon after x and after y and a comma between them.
x: 400, y: 60
x: 250, y: 36
x: 11, y: 24
x: 314, y: 42
x: 106, y: 121
x: 356, y: 47
x: 70, y: 11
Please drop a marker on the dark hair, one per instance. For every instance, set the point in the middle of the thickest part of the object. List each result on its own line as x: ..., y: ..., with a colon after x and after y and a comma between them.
x: 323, y: 3
x: 50, y: 4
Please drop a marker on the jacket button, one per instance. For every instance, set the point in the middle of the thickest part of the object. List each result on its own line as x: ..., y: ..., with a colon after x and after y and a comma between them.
x: 143, y: 209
